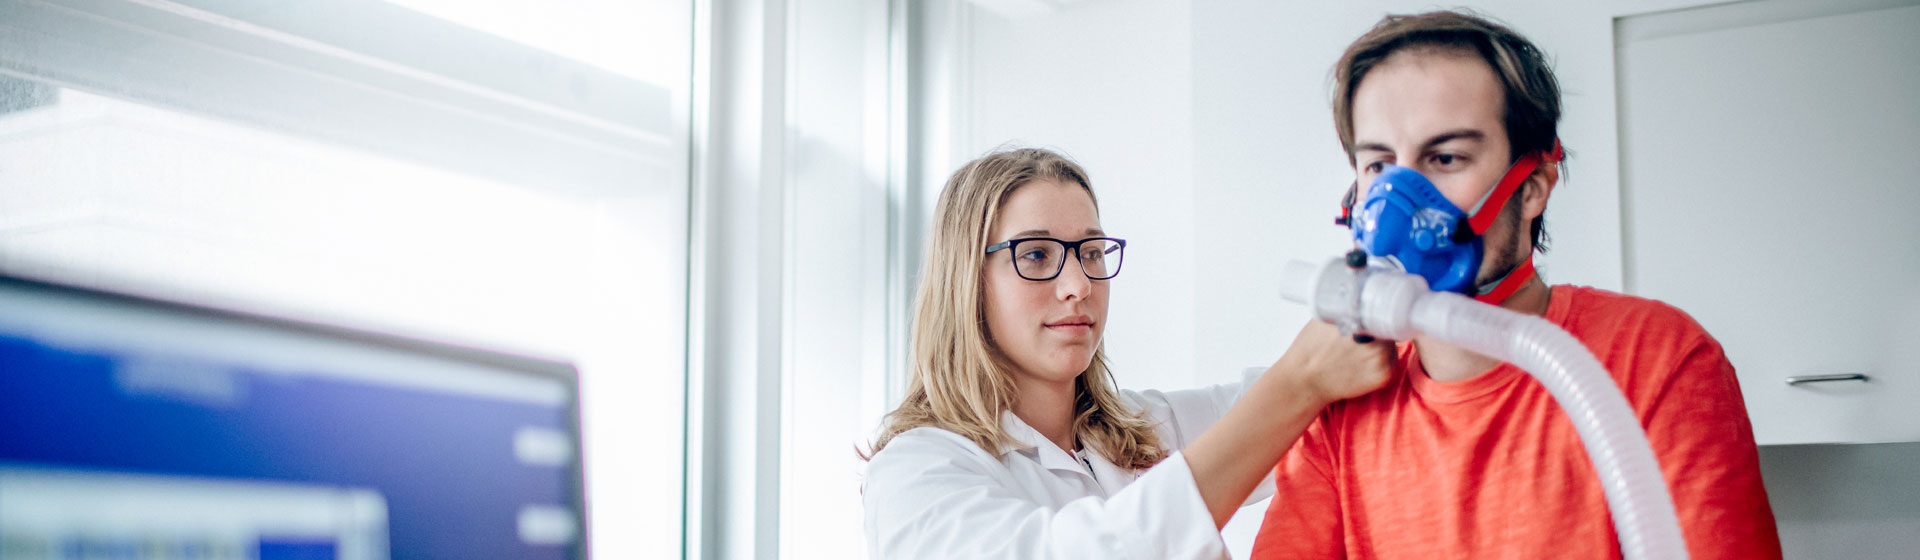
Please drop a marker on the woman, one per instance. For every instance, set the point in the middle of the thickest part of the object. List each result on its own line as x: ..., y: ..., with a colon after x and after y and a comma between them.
x: 1012, y: 441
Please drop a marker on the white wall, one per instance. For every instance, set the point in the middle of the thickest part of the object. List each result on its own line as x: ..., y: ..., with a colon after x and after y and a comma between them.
x: 1269, y: 167
x: 1061, y: 80
x: 1207, y: 130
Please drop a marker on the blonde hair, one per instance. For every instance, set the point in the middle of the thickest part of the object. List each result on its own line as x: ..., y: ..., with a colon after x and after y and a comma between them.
x: 960, y: 379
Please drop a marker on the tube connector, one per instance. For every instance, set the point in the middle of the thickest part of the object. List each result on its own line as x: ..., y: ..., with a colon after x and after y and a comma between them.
x: 1370, y: 300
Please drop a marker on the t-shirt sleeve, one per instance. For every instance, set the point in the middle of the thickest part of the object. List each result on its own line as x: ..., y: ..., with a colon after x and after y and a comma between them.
x: 1303, y: 521
x: 1699, y: 428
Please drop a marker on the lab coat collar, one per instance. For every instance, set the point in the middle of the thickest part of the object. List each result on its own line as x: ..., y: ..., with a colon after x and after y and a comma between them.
x: 1029, y: 441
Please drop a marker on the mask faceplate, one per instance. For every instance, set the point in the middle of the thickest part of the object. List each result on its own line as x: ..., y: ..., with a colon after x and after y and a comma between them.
x: 1406, y: 220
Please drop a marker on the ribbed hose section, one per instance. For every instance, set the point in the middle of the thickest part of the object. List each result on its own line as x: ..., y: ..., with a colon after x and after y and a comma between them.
x: 1642, y: 510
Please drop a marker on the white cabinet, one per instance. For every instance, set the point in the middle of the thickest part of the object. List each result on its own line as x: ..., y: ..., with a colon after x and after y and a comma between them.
x: 1768, y: 154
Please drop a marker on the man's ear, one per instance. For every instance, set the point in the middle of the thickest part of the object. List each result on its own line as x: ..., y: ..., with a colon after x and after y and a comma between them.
x: 1533, y: 198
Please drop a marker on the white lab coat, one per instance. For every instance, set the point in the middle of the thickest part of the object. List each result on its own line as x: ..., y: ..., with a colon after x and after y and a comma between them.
x: 934, y: 494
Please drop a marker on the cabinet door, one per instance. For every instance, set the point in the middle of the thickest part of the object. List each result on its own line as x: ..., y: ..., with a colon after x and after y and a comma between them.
x: 1768, y: 154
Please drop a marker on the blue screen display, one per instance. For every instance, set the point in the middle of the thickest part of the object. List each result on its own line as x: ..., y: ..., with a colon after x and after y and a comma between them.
x: 443, y: 465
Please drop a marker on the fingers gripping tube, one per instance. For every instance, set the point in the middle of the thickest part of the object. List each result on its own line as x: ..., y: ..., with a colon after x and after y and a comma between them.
x: 1395, y: 305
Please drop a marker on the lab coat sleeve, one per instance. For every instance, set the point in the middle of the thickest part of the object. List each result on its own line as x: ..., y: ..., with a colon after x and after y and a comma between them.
x: 937, y: 495
x: 1185, y: 414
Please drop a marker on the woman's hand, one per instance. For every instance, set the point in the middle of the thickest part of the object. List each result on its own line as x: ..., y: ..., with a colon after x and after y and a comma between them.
x: 1321, y: 367
x: 1330, y: 367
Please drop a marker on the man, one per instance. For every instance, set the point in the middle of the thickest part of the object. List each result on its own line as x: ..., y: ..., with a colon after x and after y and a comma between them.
x: 1462, y: 456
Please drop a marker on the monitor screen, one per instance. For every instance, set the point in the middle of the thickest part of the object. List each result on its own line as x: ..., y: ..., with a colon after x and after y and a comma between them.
x: 137, y: 429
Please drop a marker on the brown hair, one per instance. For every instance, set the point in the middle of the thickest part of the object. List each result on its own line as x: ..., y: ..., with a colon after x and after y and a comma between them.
x: 1532, y: 94
x: 960, y: 379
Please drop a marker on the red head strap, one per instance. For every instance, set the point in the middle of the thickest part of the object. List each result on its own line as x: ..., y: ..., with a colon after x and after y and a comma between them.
x: 1490, y: 208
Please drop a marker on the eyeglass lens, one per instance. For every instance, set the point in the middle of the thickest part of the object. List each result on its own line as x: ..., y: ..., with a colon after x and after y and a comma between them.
x: 1042, y: 259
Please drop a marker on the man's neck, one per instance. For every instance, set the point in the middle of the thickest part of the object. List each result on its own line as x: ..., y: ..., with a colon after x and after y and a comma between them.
x: 1447, y: 363
x: 1048, y: 408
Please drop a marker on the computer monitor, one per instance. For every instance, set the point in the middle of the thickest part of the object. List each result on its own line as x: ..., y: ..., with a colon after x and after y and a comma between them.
x: 139, y: 429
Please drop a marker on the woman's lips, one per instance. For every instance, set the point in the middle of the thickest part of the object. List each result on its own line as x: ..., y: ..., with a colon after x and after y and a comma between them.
x: 1071, y: 327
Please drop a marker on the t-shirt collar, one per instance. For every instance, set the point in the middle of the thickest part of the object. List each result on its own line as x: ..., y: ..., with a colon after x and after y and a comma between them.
x: 1559, y: 312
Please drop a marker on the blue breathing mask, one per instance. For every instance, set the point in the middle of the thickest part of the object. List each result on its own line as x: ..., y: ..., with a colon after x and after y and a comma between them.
x: 1405, y: 219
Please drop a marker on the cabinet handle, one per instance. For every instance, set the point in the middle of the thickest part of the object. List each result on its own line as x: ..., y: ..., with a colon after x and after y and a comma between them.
x: 1798, y: 379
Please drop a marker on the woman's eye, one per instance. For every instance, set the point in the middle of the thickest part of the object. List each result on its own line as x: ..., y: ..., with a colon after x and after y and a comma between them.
x: 1034, y: 255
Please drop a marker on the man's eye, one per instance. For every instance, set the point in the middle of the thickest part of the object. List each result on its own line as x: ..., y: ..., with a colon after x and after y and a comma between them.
x: 1376, y: 167
x: 1445, y: 159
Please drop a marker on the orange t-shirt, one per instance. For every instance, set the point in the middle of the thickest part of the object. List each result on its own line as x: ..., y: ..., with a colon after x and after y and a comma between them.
x: 1490, y: 467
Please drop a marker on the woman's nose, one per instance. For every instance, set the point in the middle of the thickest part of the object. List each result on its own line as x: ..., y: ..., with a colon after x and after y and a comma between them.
x: 1072, y: 282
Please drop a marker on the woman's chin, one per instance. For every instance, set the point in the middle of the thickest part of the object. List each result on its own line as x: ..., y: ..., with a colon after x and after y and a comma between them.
x: 1067, y: 370
x: 1057, y: 368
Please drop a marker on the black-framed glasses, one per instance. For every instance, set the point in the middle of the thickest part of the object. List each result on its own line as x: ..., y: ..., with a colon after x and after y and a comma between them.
x: 1041, y: 258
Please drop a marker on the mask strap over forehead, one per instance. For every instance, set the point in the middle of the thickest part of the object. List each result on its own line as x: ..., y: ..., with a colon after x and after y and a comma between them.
x: 1485, y: 211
